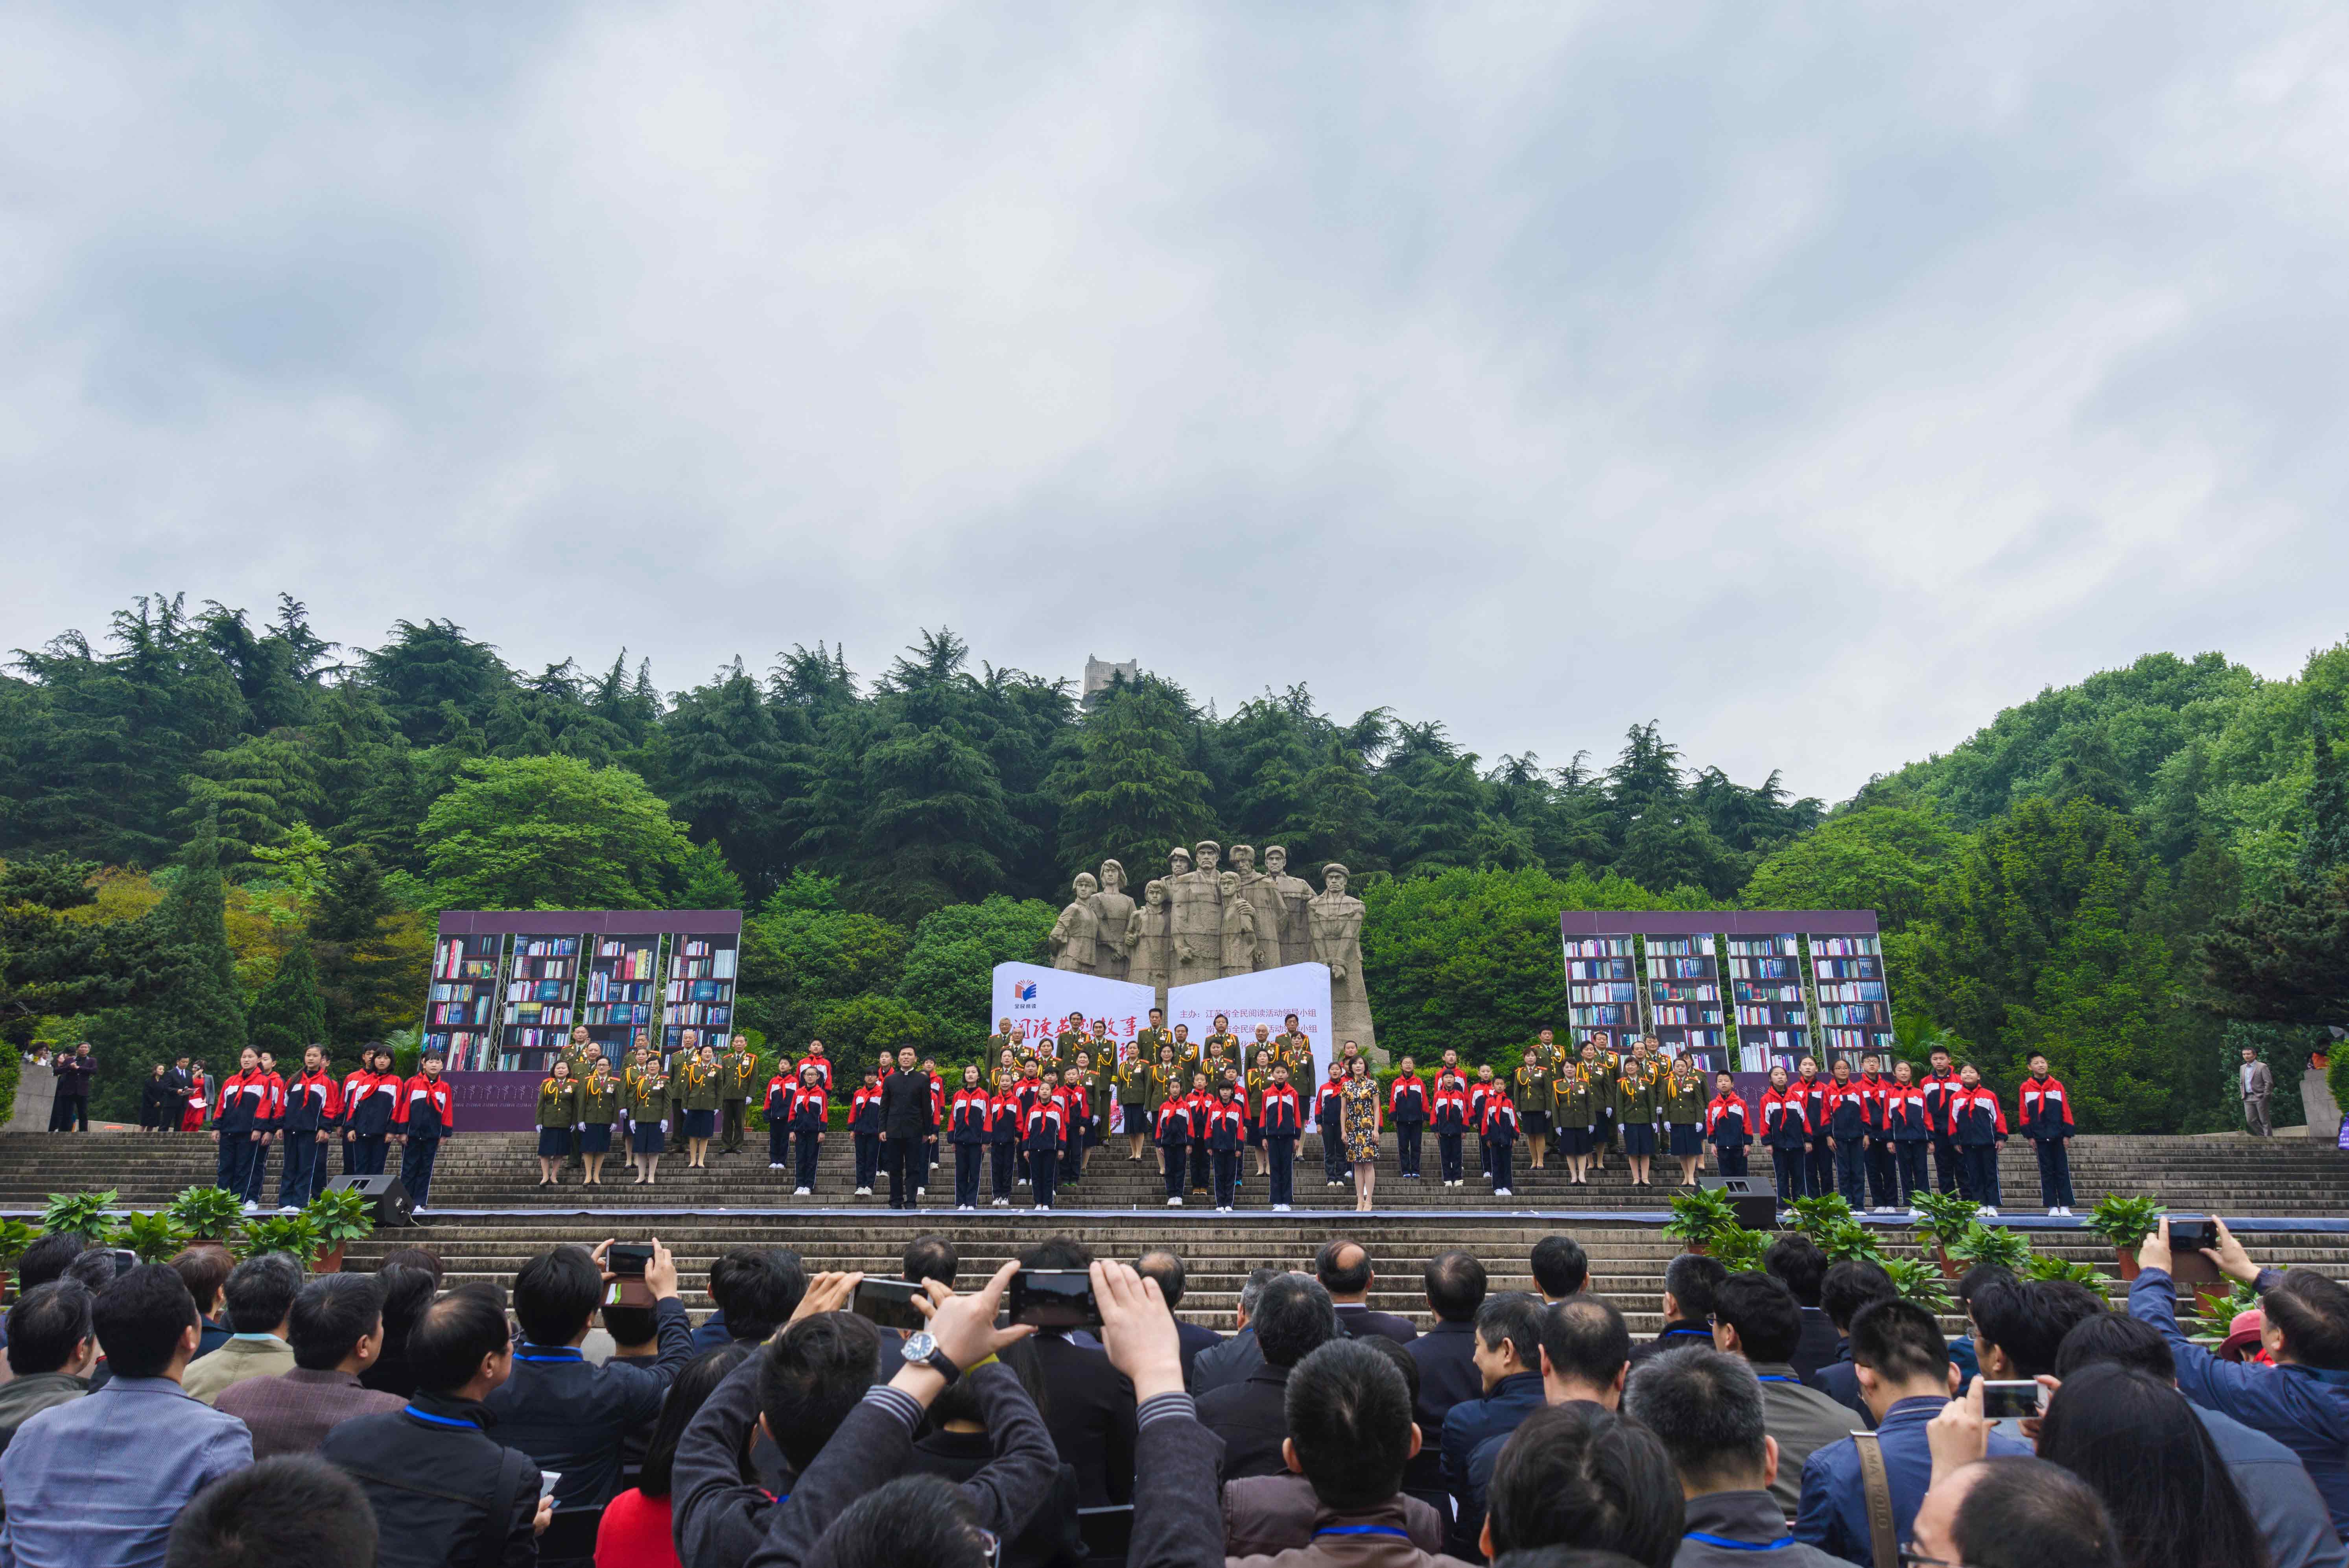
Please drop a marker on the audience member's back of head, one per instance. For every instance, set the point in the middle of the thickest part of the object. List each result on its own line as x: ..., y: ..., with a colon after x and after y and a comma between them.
x: 2139, y: 1445
x: 2312, y: 1311
x: 292, y: 1510
x: 455, y: 1334
x: 47, y: 1328
x: 629, y: 1326
x: 2028, y: 1319
x: 1455, y: 1285
x: 204, y: 1269
x: 97, y: 1269
x: 1977, y: 1279
x: 1587, y: 1340
x: 1561, y: 1267
x: 1402, y: 1361
x: 1578, y: 1474
x: 814, y: 1374
x: 407, y: 1290
x: 1062, y: 1251
x: 1514, y: 1318
x: 1797, y: 1263
x: 1850, y: 1285
x: 685, y: 1397
x: 331, y: 1314
x: 1343, y: 1267
x: 1350, y: 1416
x: 142, y: 1318
x: 555, y: 1294
x: 1705, y: 1408
x: 926, y: 1257
x: 1167, y: 1269
x: 915, y: 1518
x: 1900, y: 1342
x: 2119, y: 1338
x: 2032, y: 1514
x: 48, y: 1258
x: 1562, y: 1557
x: 758, y: 1288
x: 1293, y: 1317
x: 1764, y: 1312
x: 260, y: 1292
x: 1691, y: 1280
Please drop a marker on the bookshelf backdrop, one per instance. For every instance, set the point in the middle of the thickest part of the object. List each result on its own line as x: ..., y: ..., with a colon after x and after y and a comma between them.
x: 508, y: 985
x: 1684, y: 997
x: 1602, y: 989
x: 1855, y: 1006
x: 1766, y: 990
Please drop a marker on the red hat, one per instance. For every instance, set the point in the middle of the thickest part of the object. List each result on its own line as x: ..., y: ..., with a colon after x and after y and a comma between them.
x: 2243, y: 1341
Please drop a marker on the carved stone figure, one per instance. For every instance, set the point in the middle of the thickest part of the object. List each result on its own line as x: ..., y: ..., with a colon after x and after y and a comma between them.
x: 1112, y: 910
x: 1197, y: 898
x: 1289, y: 895
x: 1240, y: 934
x: 1075, y: 935
x: 1335, y: 923
x: 1149, y: 941
x: 1256, y: 888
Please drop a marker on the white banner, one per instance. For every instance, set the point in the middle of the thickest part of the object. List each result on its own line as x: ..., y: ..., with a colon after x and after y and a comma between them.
x: 1266, y: 996
x: 1039, y: 1001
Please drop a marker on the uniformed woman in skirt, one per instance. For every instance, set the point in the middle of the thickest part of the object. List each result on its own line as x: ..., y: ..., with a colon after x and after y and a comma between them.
x: 1532, y: 1096
x: 599, y: 1106
x: 1601, y: 1074
x: 558, y: 1113
x: 1640, y: 1104
x: 1683, y: 1103
x: 1574, y: 1116
x: 648, y: 1105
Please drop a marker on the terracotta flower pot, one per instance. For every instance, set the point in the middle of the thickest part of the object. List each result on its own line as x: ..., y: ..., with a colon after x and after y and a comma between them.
x: 2127, y: 1259
x: 1697, y: 1249
x: 331, y: 1261
x: 1951, y: 1268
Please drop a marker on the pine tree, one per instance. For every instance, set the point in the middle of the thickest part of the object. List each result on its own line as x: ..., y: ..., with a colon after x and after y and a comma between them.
x: 359, y: 979
x: 1129, y: 792
x: 289, y: 1015
x: 2325, y: 845
x: 200, y: 1012
x: 2101, y: 1005
x: 728, y: 770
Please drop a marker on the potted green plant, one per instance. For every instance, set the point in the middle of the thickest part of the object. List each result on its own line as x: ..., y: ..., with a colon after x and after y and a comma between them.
x: 1982, y: 1243
x: 2125, y: 1223
x: 1941, y: 1219
x: 1699, y: 1216
x: 155, y: 1237
x: 15, y: 1237
x: 340, y: 1218
x: 293, y: 1233
x: 1739, y: 1250
x: 1850, y: 1241
x: 84, y: 1211
x: 1921, y: 1281
x: 2047, y: 1265
x: 208, y: 1214
x: 1816, y: 1217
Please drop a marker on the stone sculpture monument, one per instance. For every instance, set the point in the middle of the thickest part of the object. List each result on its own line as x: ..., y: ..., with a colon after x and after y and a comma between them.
x: 1112, y: 910
x: 1149, y: 941
x: 1257, y: 889
x: 1239, y: 932
x: 1197, y: 898
x: 1076, y: 935
x: 1289, y: 895
x: 1334, y: 920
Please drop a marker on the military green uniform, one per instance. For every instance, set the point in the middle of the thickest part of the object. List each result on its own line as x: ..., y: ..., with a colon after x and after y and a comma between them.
x: 647, y: 1102
x: 1186, y: 1057
x: 558, y: 1103
x: 1638, y: 1094
x: 696, y: 1089
x: 1165, y: 1084
x: 1531, y: 1090
x: 1133, y: 1079
x: 599, y: 1100
x: 737, y: 1073
x: 1682, y: 1099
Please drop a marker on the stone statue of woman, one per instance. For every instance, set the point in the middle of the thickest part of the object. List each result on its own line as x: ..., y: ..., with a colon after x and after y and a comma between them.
x: 1075, y: 935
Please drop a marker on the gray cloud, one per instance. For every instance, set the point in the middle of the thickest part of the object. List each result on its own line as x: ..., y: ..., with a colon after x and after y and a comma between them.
x: 1816, y: 382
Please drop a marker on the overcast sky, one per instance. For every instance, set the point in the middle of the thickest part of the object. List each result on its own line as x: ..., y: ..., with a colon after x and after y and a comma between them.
x: 1816, y: 380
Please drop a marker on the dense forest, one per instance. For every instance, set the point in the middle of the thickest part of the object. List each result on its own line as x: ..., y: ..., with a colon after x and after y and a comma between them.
x: 215, y: 830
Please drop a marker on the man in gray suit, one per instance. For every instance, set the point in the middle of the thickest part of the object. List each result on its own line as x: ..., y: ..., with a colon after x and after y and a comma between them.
x: 2258, y: 1084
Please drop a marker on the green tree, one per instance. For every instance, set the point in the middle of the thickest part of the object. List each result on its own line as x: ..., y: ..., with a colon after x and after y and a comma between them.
x: 1129, y: 792
x: 802, y: 953
x: 949, y: 971
x: 263, y: 787
x: 728, y: 772
x: 365, y: 986
x: 550, y: 832
x: 198, y: 1012
x: 2326, y: 843
x: 289, y: 1015
x: 434, y: 681
x: 857, y: 1030
x: 2283, y: 960
x: 1884, y: 858
x: 706, y: 881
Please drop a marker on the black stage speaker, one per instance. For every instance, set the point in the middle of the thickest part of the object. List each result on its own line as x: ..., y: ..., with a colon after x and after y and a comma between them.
x: 1755, y: 1199
x: 390, y: 1199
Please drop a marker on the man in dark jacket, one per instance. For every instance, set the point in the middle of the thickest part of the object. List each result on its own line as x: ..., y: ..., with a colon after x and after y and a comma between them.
x: 1849, y: 1285
x: 1232, y: 1361
x: 1293, y: 1319
x: 1508, y: 1360
x: 905, y: 1123
x: 1796, y: 1262
x: 564, y: 1411
x: 1343, y: 1268
x: 1689, y: 1283
x: 1090, y: 1407
x: 1705, y: 1408
x: 442, y: 1489
x: 1167, y: 1269
x: 71, y: 1111
x: 1447, y: 1354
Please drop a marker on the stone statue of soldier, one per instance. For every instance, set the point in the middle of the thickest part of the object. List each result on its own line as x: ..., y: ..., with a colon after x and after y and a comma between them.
x: 1335, y: 920
x: 1149, y: 940
x: 1256, y: 888
x: 1075, y: 935
x: 1239, y: 944
x: 1197, y: 900
x: 1290, y: 896
x: 1112, y: 910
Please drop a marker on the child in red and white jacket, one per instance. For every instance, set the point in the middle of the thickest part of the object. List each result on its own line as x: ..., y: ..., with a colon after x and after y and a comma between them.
x: 2043, y: 1108
x: 1500, y: 1126
x: 1728, y: 1125
x: 1908, y: 1114
x: 427, y: 1114
x: 1978, y: 1126
x: 781, y: 1090
x: 1450, y: 1109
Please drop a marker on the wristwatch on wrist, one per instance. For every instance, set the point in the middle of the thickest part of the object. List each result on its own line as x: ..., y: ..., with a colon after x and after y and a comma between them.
x: 921, y: 1348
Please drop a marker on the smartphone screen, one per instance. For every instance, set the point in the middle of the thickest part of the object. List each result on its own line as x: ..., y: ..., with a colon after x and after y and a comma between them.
x: 1053, y: 1298
x: 2004, y: 1400
x: 888, y: 1304
x: 546, y: 1480
x: 627, y: 1260
x: 124, y: 1259
x: 2200, y: 1234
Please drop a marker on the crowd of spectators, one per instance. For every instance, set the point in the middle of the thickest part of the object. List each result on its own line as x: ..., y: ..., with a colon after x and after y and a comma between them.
x: 200, y: 1413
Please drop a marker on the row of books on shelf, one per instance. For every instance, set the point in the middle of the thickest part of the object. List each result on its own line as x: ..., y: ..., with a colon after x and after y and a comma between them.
x: 534, y: 1039
x: 618, y: 1015
x: 1763, y: 969
x: 536, y: 990
x: 1667, y: 990
x: 460, y: 1050
x: 1769, y: 1017
x: 700, y: 958
x: 1849, y: 968
x: 603, y: 987
x: 1681, y: 969
x: 1795, y: 1041
x: 1600, y: 947
x: 458, y: 1014
x: 627, y: 963
x: 1763, y: 947
x: 1603, y: 993
x: 1853, y: 991
x: 1599, y: 969
x: 1777, y: 996
x: 1662, y: 1016
x: 1854, y: 1040
x: 1861, y: 1017
x: 698, y: 1016
x: 1677, y: 946
x: 697, y: 990
x: 537, y: 1012
x: 547, y: 947
x: 1845, y: 946
x: 1600, y: 1017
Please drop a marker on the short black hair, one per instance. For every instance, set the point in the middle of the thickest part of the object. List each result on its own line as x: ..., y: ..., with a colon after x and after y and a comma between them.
x: 1705, y: 1408
x: 96, y: 1270
x: 1293, y: 1319
x: 2029, y: 1318
x: 296, y: 1508
x: 1585, y: 1339
x: 926, y: 1257
x: 1346, y: 1279
x: 454, y: 1334
x: 2313, y: 1314
x: 1795, y: 1261
x: 1691, y: 1280
x: 48, y: 1326
x: 407, y: 1290
x: 260, y: 1292
x: 203, y: 1268
x: 47, y: 1258
x: 140, y: 1319
x: 1971, y: 1283
x: 1167, y: 1269
x: 2021, y: 1513
x: 1561, y: 1267
x: 555, y: 1294
x: 331, y: 1314
x: 695, y: 1383
x: 758, y: 1288
x: 1579, y: 1473
x: 1899, y: 1340
x: 1850, y: 1285
x: 1769, y: 1323
x: 1350, y: 1416
x: 1062, y: 1251
x: 1455, y: 1285
x: 920, y: 1519
x: 813, y: 1375
x: 2118, y: 1337
x: 1514, y: 1318
x: 630, y: 1325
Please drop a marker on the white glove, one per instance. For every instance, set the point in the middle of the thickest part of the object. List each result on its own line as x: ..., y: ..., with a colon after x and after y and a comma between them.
x: 580, y: 1128
x: 664, y: 1124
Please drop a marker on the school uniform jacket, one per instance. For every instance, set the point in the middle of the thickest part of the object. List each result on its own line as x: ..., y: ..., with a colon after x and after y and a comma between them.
x: 427, y: 1108
x: 313, y: 1101
x: 1284, y: 1114
x: 1938, y: 1088
x: 1451, y: 1111
x: 1879, y: 1092
x: 1905, y: 1114
x: 357, y: 1085
x: 1480, y: 1095
x: 971, y: 1116
x: 777, y: 1099
x: 377, y: 1107
x: 1004, y: 1111
x: 1226, y: 1126
x: 1174, y: 1126
x: 1975, y: 1118
x: 865, y: 1109
x: 1407, y: 1099
x: 1500, y: 1119
x: 2043, y: 1108
x: 1727, y: 1121
x: 1042, y: 1124
x: 1327, y: 1104
x: 1813, y: 1092
x: 1848, y: 1110
x: 245, y: 1104
x: 810, y: 1108
x: 1783, y: 1123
